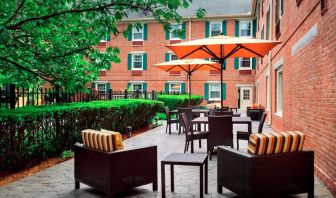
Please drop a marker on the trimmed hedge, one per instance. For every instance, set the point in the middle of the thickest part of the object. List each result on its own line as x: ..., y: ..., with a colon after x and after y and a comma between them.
x: 34, y: 133
x: 176, y: 101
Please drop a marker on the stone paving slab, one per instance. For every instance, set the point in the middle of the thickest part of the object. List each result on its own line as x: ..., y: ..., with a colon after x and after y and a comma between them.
x: 58, y: 181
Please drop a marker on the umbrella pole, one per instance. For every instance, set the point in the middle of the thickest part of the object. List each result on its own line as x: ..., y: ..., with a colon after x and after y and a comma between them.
x: 221, y: 84
x: 189, y: 87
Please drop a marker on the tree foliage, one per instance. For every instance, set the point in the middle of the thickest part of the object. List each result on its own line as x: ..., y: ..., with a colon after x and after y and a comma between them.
x: 53, y: 40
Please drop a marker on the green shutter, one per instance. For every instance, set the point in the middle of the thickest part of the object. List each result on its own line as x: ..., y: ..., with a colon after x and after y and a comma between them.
x: 145, y: 27
x: 129, y: 61
x: 236, y: 28
x: 144, y: 87
x: 129, y: 36
x: 224, y: 28
x: 93, y: 85
x: 282, y: 6
x: 206, y: 91
x: 254, y: 30
x: 108, y: 37
x: 224, y: 91
x: 236, y: 63
x: 108, y: 87
x: 207, y: 29
x: 224, y: 65
x: 167, y: 57
x: 183, y: 90
x: 167, y: 88
x: 208, y: 59
x: 144, y: 57
x: 184, y: 30
x: 167, y: 35
x: 254, y: 63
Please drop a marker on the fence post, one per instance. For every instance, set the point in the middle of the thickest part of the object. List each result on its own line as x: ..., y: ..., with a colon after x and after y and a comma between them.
x: 12, y: 96
x: 153, y: 95
x: 145, y: 92
x: 125, y: 93
x: 111, y: 94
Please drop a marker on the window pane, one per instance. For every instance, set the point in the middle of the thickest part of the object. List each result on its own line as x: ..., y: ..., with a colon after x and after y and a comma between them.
x: 174, y: 34
x: 137, y: 34
x: 175, y: 87
x: 215, y: 29
x: 214, y: 91
x: 137, y: 87
x: 173, y: 57
x: 245, y: 62
x: 246, y: 94
x: 137, y: 61
x: 245, y: 28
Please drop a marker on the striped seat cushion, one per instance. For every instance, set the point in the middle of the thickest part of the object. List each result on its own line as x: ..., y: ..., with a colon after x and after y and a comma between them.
x: 117, y: 139
x: 97, y: 140
x: 273, y: 143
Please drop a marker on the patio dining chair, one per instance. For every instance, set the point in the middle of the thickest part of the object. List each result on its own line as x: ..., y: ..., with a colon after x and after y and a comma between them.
x: 188, y: 113
x: 222, y: 113
x: 220, y: 132
x: 243, y: 135
x: 192, y: 135
x: 170, y: 120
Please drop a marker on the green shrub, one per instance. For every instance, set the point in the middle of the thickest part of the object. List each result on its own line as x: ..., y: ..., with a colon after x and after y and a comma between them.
x: 30, y: 133
x: 176, y: 101
x: 67, y: 154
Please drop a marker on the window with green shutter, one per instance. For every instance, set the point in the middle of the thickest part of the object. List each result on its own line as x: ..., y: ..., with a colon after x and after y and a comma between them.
x: 236, y: 28
x: 108, y: 87
x: 144, y: 61
x: 129, y: 35
x: 206, y: 91
x: 167, y: 57
x: 129, y: 61
x: 207, y: 29
x: 254, y: 31
x: 183, y: 90
x: 184, y: 29
x: 224, y: 28
x: 254, y: 63
x: 236, y: 63
x: 224, y: 91
x: 145, y: 27
x: 166, y: 88
x: 144, y: 87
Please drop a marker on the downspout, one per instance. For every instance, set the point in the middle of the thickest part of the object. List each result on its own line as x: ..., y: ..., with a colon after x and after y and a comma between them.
x: 270, y: 66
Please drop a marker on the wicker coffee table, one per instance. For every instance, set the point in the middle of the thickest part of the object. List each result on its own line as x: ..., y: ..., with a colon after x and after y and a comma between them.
x: 188, y: 159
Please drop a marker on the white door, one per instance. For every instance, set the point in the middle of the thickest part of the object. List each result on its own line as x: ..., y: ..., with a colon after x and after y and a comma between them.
x: 245, y: 97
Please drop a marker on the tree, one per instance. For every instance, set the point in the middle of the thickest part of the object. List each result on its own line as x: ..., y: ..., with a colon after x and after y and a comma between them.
x: 52, y: 40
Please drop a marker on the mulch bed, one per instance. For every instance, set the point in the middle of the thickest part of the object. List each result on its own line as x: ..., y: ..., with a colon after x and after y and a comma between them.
x: 9, y: 177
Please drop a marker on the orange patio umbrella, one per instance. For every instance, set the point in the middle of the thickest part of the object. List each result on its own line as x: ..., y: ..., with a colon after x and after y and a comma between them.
x: 189, y: 66
x: 223, y: 47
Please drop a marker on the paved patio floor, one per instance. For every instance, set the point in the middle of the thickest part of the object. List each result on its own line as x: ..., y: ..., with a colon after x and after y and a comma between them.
x: 58, y: 181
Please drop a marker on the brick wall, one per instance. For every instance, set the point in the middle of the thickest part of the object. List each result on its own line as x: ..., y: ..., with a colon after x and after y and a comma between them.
x: 309, y: 79
x: 119, y: 75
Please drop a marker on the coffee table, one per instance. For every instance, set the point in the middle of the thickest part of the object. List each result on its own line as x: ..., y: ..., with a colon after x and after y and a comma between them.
x: 188, y: 159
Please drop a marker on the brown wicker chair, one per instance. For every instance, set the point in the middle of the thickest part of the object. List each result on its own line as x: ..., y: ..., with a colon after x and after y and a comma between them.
x: 188, y: 112
x: 170, y: 121
x: 220, y: 132
x: 113, y: 172
x: 192, y: 135
x: 266, y: 175
x: 222, y: 113
x: 243, y: 135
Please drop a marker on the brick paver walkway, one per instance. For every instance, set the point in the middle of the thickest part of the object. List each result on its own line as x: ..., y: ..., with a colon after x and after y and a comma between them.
x: 58, y: 181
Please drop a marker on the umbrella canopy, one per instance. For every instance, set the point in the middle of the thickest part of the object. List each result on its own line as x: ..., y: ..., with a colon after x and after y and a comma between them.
x: 223, y: 47
x: 189, y: 66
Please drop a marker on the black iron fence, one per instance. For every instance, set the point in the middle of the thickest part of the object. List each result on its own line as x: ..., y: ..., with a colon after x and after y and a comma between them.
x: 12, y: 97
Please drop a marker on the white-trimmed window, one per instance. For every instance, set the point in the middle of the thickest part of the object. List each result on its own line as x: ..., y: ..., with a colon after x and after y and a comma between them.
x: 268, y: 93
x: 172, y: 57
x: 215, y: 28
x: 214, y: 91
x: 245, y: 28
x: 257, y: 92
x: 137, y: 61
x: 245, y: 63
x: 174, y: 35
x: 175, y: 88
x: 137, y: 34
x: 101, y: 88
x: 279, y: 85
x: 137, y: 87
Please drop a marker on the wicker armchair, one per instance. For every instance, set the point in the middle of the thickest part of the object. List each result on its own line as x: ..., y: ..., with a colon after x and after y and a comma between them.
x: 254, y: 114
x: 266, y: 175
x: 113, y: 172
x: 170, y: 120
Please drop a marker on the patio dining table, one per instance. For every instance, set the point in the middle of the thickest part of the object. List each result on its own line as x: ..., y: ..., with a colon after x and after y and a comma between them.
x: 235, y: 120
x: 195, y: 111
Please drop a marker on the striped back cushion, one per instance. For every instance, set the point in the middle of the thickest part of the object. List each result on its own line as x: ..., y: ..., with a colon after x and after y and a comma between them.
x: 97, y: 140
x: 273, y: 143
x: 117, y: 139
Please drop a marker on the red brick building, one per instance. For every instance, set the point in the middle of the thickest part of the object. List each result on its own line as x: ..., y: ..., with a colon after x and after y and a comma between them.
x: 144, y: 48
x: 296, y: 81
